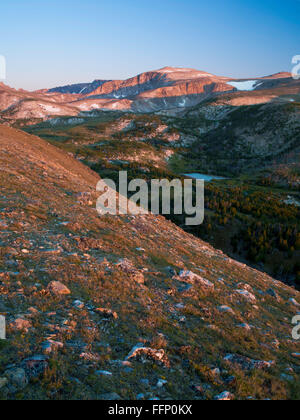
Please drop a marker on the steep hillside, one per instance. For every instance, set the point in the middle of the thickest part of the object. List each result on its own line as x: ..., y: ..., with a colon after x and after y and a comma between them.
x: 205, y: 324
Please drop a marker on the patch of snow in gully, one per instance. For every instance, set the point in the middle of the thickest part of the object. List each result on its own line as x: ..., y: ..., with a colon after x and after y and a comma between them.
x: 247, y: 85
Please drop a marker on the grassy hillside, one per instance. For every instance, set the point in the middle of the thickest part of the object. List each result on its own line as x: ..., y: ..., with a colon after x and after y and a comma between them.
x: 226, y: 327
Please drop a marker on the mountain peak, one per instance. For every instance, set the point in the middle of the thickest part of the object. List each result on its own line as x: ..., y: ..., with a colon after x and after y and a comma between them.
x: 280, y: 75
x: 183, y: 70
x: 175, y: 69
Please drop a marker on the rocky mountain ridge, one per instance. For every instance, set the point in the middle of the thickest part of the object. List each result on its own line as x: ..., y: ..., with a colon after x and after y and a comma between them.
x: 168, y: 89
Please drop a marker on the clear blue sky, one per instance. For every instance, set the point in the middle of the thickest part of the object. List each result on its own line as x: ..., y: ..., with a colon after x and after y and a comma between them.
x: 52, y: 42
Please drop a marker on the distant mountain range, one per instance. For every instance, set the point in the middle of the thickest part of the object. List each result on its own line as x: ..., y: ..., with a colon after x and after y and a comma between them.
x: 168, y: 89
x: 79, y: 88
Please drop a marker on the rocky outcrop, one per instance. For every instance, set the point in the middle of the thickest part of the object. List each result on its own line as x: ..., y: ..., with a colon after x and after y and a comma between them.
x: 58, y: 289
x: 146, y: 353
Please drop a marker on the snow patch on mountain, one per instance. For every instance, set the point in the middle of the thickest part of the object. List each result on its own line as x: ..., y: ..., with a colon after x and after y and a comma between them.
x: 248, y: 85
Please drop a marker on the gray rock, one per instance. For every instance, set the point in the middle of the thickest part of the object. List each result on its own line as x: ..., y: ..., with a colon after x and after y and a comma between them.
x: 247, y: 295
x: 161, y: 383
x: 225, y: 309
x: 247, y: 364
x: 77, y: 304
x: 225, y: 396
x: 17, y: 377
x: 103, y: 373
x: 192, y: 278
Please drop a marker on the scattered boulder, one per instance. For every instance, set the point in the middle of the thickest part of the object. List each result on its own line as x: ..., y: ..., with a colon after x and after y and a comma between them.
x: 77, y: 304
x: 226, y: 309
x: 90, y: 357
x: 107, y: 313
x: 50, y: 346
x: 192, y: 278
x: 17, y: 376
x: 141, y: 250
x: 103, y: 373
x: 247, y: 295
x: 225, y: 396
x: 262, y: 364
x: 33, y: 311
x: 146, y: 353
x: 21, y: 325
x: 161, y: 383
x: 245, y: 286
x: 247, y: 364
x: 58, y: 289
x: 127, y: 267
x: 121, y: 363
x: 34, y: 366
